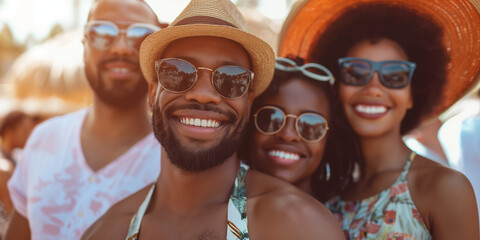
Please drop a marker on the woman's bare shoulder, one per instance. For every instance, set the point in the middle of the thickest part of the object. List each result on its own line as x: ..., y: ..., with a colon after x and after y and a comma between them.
x: 277, y: 209
x: 443, y: 196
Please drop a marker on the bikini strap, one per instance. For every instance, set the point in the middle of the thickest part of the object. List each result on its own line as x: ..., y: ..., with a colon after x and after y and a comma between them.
x: 408, y: 164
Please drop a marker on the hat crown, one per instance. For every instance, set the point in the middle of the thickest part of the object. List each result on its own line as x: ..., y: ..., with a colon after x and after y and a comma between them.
x: 212, y: 12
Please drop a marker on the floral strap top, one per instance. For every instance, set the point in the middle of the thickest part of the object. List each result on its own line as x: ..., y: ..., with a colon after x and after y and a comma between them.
x: 237, y: 210
x: 390, y: 214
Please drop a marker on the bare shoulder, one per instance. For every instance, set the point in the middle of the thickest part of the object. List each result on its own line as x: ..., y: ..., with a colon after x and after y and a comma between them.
x: 114, y: 224
x: 427, y: 176
x: 279, y: 210
x: 444, y: 198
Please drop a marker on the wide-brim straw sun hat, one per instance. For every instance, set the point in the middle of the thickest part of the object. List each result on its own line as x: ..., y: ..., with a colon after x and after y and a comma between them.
x: 217, y: 18
x: 459, y: 19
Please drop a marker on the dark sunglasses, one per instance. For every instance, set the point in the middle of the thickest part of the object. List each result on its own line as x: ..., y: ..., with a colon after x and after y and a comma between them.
x: 177, y: 76
x: 359, y: 71
x: 311, y: 127
x: 102, y: 35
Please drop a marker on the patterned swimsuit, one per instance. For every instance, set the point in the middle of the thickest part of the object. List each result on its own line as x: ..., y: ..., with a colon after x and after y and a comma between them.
x: 388, y: 215
x: 237, y: 210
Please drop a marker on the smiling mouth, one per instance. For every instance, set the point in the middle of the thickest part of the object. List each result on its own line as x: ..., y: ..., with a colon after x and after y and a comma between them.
x: 370, y: 109
x: 197, y: 122
x: 279, y: 154
x: 120, y: 70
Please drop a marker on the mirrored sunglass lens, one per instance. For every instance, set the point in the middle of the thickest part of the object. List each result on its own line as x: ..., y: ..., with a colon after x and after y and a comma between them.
x: 311, y: 127
x: 269, y: 120
x: 355, y: 72
x: 136, y: 35
x: 395, y: 75
x: 176, y: 75
x: 231, y: 81
x: 102, y: 36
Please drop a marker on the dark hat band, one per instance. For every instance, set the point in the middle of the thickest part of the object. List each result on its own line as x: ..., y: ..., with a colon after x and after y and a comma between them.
x: 204, y: 20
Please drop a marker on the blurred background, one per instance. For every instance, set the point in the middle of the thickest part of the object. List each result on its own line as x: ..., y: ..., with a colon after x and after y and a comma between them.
x: 41, y: 63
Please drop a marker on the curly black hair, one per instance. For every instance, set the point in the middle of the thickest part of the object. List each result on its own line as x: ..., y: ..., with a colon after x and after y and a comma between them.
x: 418, y: 35
x: 338, y: 138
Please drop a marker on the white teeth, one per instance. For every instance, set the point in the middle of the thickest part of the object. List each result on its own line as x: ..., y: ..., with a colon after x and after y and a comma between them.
x: 197, y: 122
x: 120, y: 70
x: 283, y: 154
x: 370, y: 109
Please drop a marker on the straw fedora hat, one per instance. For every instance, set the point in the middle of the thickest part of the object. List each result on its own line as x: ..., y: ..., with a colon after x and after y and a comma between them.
x: 460, y: 20
x: 217, y: 18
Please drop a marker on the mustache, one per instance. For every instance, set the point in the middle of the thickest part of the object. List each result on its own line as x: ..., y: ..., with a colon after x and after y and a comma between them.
x: 203, y: 107
x: 128, y: 59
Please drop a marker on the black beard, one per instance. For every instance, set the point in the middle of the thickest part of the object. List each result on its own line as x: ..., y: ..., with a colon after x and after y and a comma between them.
x: 196, y: 161
x: 118, y: 98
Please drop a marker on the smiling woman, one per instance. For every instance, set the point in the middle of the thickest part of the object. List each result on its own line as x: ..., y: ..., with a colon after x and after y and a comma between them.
x: 392, y: 60
x: 294, y: 133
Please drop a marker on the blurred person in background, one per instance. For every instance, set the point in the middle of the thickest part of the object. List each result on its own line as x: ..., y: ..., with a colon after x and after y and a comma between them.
x: 15, y: 128
x: 459, y: 137
x: 74, y: 167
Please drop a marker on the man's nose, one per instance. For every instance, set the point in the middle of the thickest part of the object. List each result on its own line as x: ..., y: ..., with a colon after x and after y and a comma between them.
x: 202, y: 90
x: 121, y: 45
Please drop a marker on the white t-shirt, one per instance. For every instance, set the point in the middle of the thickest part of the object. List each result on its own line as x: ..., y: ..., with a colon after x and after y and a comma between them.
x: 61, y: 196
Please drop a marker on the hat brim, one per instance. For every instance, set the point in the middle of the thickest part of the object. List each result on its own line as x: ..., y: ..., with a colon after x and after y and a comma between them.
x: 459, y: 19
x: 261, y: 54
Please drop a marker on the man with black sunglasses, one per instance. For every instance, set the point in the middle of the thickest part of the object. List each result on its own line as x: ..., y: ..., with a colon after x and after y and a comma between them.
x: 204, y: 71
x: 78, y: 165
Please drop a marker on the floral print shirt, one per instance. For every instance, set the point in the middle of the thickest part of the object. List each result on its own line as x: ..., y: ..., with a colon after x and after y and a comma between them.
x: 388, y: 215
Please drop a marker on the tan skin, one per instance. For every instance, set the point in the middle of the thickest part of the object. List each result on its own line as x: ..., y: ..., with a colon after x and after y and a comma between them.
x: 298, y: 172
x: 188, y: 205
x: 107, y: 131
x: 443, y: 196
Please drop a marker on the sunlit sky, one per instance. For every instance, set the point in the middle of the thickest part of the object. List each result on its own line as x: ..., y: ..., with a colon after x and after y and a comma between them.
x: 36, y: 17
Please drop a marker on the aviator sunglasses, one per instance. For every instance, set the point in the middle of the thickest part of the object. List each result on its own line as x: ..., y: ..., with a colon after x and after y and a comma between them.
x: 311, y: 70
x: 177, y: 76
x: 393, y: 74
x: 103, y: 35
x: 311, y: 127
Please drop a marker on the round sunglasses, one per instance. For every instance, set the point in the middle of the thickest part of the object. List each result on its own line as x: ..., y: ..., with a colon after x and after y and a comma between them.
x: 310, y: 127
x: 103, y: 35
x: 177, y: 75
x: 358, y: 71
x: 311, y: 70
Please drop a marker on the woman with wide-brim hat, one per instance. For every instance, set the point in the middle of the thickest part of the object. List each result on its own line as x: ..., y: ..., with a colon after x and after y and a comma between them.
x: 397, y: 63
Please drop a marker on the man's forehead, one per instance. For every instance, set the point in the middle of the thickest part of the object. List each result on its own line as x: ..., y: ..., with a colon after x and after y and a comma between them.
x: 122, y: 11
